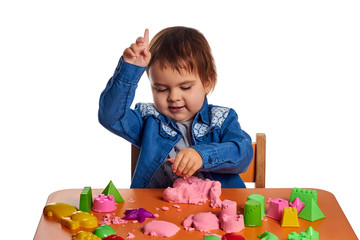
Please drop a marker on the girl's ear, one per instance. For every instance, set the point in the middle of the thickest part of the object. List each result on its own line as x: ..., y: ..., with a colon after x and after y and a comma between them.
x: 208, y: 86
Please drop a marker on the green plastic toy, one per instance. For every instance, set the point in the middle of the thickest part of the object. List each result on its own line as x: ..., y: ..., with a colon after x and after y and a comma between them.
x: 311, y: 211
x: 86, y: 200
x: 112, y: 190
x: 309, y: 234
x: 252, y: 213
x: 104, y: 230
x: 261, y: 200
x: 211, y: 237
x: 268, y: 236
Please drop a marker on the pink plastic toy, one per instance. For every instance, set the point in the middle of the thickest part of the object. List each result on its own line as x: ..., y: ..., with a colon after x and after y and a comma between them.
x: 298, y: 204
x: 276, y: 208
x: 104, y: 203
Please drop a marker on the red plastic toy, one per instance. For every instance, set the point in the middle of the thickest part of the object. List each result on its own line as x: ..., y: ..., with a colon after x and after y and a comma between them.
x: 232, y: 236
x: 113, y: 237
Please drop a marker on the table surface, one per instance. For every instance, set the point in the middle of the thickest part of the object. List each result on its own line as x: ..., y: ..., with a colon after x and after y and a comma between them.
x: 334, y: 226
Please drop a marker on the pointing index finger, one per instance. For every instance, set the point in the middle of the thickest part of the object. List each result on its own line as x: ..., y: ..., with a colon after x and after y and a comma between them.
x: 146, y: 36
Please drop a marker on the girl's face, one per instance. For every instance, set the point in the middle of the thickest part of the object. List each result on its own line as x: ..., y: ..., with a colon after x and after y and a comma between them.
x: 177, y: 96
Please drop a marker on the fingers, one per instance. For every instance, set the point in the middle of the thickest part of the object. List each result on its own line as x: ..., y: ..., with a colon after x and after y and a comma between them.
x: 129, y: 54
x: 138, y: 52
x: 140, y: 41
x: 189, y: 170
x: 143, y: 41
x: 187, y: 162
x: 180, y: 163
x: 146, y: 37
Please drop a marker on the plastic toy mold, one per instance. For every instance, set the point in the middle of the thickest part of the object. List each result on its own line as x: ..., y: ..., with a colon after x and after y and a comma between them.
x: 259, y: 198
x: 252, y: 213
x: 139, y: 214
x: 84, y: 235
x: 85, y: 203
x: 298, y: 204
x: 104, y: 231
x: 104, y: 203
x: 276, y: 208
x: 310, y: 234
x: 268, y: 236
x: 211, y: 237
x: 80, y: 219
x: 112, y: 190
x: 290, y: 217
x: 113, y: 237
x: 311, y: 211
x: 232, y: 236
x: 59, y: 210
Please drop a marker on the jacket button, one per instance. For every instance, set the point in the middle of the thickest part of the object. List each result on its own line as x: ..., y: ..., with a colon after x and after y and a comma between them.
x: 210, y: 160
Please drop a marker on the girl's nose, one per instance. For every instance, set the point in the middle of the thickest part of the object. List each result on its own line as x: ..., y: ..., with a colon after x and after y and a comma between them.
x: 174, y: 95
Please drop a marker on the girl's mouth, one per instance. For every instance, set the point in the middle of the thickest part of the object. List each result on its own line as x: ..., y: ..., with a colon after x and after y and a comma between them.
x: 176, y: 109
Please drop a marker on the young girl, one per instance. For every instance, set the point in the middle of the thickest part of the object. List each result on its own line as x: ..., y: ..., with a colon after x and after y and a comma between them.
x: 204, y: 140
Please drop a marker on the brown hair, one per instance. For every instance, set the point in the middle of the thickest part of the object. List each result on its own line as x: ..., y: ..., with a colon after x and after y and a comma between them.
x: 184, y: 48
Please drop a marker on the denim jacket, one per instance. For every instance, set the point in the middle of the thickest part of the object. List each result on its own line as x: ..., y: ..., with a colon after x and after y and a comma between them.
x: 225, y: 148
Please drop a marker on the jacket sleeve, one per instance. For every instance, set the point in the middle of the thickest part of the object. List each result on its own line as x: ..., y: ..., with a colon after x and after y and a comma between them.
x: 233, y: 154
x: 115, y: 101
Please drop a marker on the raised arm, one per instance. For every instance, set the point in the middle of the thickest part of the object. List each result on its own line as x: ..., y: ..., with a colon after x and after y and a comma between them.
x: 115, y: 101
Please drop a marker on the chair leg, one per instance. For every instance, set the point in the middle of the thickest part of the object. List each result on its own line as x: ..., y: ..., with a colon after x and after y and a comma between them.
x: 260, y: 160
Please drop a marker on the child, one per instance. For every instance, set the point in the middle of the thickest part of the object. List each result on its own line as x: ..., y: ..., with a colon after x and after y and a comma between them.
x: 205, y: 140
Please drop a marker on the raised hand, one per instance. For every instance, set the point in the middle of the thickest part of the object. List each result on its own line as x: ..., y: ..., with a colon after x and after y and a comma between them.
x: 138, y: 53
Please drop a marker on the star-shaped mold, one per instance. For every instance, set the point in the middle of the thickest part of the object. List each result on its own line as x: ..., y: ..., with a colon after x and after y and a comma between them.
x: 139, y: 214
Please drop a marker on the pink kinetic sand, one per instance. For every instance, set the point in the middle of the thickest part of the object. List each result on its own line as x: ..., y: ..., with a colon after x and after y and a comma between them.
x: 229, y: 208
x: 229, y: 220
x: 165, y: 208
x: 160, y: 229
x: 194, y: 190
x: 129, y: 235
x: 232, y: 223
x: 202, y: 222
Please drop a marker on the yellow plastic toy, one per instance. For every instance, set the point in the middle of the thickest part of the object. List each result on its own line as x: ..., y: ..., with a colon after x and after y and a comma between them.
x: 290, y: 217
x: 84, y: 235
x: 59, y: 210
x: 80, y: 219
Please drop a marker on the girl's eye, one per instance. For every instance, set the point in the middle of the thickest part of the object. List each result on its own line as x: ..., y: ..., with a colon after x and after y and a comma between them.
x: 160, y: 89
x: 186, y: 88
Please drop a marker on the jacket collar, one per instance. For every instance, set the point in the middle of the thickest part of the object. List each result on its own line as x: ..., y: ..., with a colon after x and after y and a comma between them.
x: 203, y: 114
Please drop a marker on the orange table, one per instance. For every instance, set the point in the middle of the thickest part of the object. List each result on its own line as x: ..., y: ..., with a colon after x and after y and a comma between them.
x: 334, y: 226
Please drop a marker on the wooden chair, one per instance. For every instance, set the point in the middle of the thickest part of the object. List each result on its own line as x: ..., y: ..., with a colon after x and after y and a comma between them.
x: 254, y: 174
x: 256, y: 171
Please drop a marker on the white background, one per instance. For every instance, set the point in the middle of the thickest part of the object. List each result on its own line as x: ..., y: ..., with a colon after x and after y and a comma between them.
x: 289, y: 68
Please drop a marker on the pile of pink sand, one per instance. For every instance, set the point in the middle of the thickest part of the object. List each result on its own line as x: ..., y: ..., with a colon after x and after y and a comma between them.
x: 160, y: 229
x: 195, y: 191
x: 228, y: 219
x: 203, y: 222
